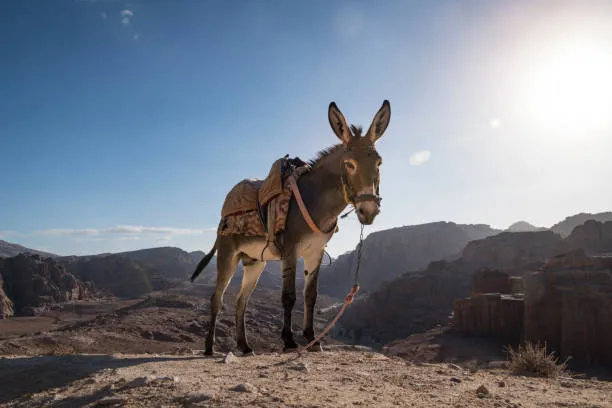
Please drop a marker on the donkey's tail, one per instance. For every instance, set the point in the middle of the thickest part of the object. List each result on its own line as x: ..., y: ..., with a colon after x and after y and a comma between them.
x: 204, y: 262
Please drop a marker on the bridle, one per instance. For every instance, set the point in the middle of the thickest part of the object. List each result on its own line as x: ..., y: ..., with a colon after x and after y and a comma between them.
x: 349, y: 192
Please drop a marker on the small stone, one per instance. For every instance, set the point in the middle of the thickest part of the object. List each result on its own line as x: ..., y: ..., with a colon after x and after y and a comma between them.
x: 455, y: 379
x: 482, y: 392
x: 299, y: 367
x: 245, y: 387
x: 501, y: 384
x: 230, y: 358
x: 497, y: 364
x: 107, y: 401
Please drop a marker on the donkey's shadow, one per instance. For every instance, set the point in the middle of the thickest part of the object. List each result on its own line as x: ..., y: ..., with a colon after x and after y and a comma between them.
x: 27, y: 375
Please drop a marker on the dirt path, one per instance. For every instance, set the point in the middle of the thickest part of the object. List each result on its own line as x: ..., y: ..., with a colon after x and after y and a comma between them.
x: 337, y: 378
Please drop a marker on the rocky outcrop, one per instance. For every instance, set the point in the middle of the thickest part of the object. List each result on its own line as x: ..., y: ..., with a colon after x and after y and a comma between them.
x: 567, y: 304
x: 594, y: 237
x: 565, y: 227
x: 412, y: 303
x: 390, y: 253
x: 569, y: 307
x: 6, y: 304
x: 118, y: 275
x: 418, y: 301
x: 494, y: 308
x: 32, y: 281
x: 512, y: 252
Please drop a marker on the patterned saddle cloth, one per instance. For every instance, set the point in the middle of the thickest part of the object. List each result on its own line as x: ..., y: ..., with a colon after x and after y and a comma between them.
x: 255, y: 207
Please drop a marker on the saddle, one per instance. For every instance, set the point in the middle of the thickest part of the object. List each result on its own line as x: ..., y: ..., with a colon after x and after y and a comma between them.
x: 259, y: 207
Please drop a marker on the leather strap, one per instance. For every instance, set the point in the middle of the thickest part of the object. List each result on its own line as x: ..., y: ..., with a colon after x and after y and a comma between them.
x: 303, y: 209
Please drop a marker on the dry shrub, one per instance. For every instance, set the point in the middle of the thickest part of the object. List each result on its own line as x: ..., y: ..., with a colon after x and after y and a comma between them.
x: 534, y: 359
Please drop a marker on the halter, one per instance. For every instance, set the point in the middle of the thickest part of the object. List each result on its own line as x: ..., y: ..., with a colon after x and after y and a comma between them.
x: 349, y: 193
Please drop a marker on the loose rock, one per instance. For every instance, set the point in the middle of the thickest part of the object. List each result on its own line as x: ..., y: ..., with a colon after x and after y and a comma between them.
x: 482, y: 392
x: 245, y: 387
x: 230, y: 358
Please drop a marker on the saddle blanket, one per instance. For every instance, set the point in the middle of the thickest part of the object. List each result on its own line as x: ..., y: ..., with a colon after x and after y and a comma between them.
x: 241, y: 215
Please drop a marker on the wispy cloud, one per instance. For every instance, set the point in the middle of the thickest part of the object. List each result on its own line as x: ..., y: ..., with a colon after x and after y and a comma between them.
x: 124, y: 230
x: 126, y: 17
x: 103, y: 15
x: 6, y: 233
x: 418, y: 158
x: 135, y: 37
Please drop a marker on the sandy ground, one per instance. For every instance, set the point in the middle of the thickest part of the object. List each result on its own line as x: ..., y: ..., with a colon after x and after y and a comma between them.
x: 338, y: 377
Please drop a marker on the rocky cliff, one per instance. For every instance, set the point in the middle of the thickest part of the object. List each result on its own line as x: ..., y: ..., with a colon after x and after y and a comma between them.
x: 594, y: 237
x: 390, y: 253
x: 418, y: 301
x: 118, y: 275
x: 6, y: 304
x: 31, y: 281
x: 565, y: 227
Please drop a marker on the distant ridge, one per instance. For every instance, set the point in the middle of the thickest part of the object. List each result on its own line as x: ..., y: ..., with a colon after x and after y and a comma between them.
x: 8, y: 250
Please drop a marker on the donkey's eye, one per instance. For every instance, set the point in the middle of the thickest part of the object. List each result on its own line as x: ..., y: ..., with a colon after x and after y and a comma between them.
x: 350, y: 165
x: 379, y: 163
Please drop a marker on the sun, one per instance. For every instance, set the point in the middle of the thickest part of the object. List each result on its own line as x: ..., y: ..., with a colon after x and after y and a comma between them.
x: 570, y: 87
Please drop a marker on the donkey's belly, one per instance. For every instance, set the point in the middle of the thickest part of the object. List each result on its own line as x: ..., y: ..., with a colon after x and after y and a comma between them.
x: 259, y: 248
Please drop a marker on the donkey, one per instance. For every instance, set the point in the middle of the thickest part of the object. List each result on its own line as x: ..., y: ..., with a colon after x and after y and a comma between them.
x: 343, y: 174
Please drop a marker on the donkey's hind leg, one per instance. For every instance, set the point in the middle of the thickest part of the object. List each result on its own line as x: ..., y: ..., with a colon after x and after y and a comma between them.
x: 227, y: 260
x: 252, y: 271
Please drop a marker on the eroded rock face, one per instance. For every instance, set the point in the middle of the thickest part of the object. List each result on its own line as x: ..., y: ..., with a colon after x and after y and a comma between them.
x: 32, y: 281
x: 570, y: 307
x: 388, y: 254
x: 6, y: 304
x: 593, y: 237
x: 512, y: 251
x: 118, y: 275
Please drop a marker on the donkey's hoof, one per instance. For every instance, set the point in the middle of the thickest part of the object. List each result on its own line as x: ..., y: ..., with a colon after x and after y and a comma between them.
x: 246, y: 351
x: 208, y: 352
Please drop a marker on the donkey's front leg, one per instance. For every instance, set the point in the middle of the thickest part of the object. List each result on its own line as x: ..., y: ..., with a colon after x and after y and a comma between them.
x: 288, y: 299
x: 312, y: 263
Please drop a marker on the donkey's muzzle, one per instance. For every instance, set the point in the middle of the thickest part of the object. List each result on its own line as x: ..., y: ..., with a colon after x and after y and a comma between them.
x: 367, y: 209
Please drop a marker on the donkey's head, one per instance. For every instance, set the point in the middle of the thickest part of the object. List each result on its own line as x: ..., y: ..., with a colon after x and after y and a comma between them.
x: 361, y: 161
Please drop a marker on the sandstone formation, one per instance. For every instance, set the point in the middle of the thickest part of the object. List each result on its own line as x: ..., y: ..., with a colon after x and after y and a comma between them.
x: 6, y: 304
x: 569, y: 307
x: 388, y: 254
x: 566, y: 303
x: 594, y: 237
x: 511, y: 252
x: 418, y: 301
x: 118, y: 275
x: 31, y: 281
x: 495, y: 307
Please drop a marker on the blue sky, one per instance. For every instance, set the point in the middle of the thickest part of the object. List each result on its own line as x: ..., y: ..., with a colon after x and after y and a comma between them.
x: 124, y: 124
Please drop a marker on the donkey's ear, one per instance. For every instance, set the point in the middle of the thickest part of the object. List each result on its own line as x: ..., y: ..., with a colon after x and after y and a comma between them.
x: 338, y: 123
x: 380, y: 122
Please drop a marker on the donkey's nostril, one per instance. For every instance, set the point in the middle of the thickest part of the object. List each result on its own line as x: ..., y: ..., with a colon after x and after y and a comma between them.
x: 360, y: 211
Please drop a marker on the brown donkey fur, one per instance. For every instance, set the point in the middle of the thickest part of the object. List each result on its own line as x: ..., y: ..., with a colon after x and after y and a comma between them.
x: 346, y: 173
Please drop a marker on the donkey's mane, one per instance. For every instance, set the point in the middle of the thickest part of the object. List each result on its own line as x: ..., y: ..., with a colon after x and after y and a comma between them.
x: 323, y: 154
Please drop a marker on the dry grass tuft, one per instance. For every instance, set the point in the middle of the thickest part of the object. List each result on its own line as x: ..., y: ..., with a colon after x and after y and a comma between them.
x: 534, y: 359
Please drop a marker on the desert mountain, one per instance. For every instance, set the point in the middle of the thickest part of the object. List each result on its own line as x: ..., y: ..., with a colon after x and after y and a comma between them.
x: 418, y: 301
x: 565, y: 227
x: 524, y: 226
x: 31, y: 281
x: 8, y: 250
x: 390, y: 253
